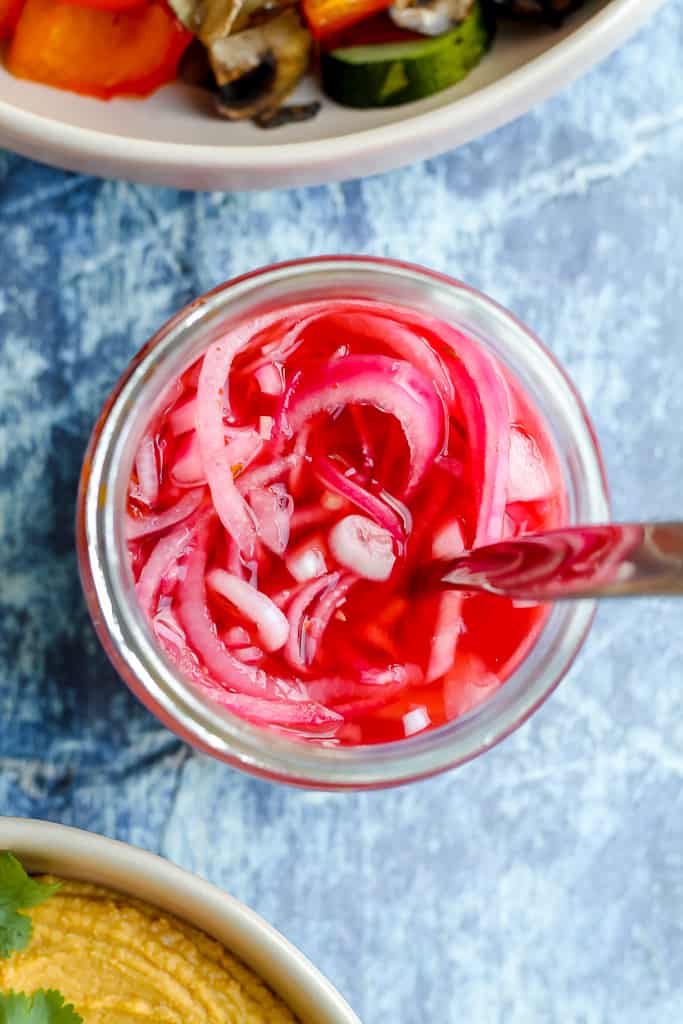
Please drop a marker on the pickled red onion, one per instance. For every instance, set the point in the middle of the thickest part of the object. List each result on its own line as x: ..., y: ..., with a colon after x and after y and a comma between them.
x: 271, y: 625
x: 142, y: 526
x: 183, y: 417
x: 391, y: 385
x: 403, y: 340
x: 187, y: 469
x: 329, y: 602
x: 200, y: 629
x: 237, y: 636
x: 528, y: 476
x: 262, y: 580
x: 265, y: 475
x: 346, y: 487
x: 484, y: 401
x: 272, y: 508
x: 167, y: 551
x: 363, y: 547
x: 447, y: 629
x: 213, y: 405
x: 270, y: 379
x: 308, y: 560
x: 350, y: 698
x: 448, y: 540
x: 146, y: 469
x: 299, y: 622
x: 293, y: 714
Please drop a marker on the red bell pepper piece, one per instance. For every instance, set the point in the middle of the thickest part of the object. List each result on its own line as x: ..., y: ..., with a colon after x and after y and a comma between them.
x: 97, y: 52
x: 9, y: 16
x: 327, y: 17
x: 374, y: 31
x: 107, y: 5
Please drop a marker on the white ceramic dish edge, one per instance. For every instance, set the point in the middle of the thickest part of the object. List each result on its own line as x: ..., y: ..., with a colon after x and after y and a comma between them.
x: 347, y: 156
x: 74, y: 853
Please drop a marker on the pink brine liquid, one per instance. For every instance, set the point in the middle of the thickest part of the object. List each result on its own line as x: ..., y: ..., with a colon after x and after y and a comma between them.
x: 284, y: 498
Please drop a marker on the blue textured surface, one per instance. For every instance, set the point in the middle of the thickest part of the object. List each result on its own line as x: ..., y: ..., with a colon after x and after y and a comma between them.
x: 541, y: 883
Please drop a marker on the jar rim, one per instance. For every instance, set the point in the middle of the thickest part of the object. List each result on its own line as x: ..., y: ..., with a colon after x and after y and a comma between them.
x: 128, y: 641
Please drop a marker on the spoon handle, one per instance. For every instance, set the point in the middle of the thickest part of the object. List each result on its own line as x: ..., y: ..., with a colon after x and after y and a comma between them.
x: 616, y: 560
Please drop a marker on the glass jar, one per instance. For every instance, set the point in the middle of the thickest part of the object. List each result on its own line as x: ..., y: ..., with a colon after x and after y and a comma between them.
x: 107, y: 577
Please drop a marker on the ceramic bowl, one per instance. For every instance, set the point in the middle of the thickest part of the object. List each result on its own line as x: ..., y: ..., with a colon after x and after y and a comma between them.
x: 173, y: 138
x: 74, y: 853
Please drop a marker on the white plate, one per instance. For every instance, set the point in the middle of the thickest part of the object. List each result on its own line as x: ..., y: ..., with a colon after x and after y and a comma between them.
x: 73, y: 853
x: 173, y: 139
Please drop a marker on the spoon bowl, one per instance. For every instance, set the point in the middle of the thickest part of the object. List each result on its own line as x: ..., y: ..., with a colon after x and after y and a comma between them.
x: 612, y: 560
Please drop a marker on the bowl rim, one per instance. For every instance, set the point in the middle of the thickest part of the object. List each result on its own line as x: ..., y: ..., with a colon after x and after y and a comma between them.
x: 369, y: 150
x: 86, y: 856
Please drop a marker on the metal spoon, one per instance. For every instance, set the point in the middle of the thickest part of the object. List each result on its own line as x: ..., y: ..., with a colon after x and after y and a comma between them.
x: 616, y: 560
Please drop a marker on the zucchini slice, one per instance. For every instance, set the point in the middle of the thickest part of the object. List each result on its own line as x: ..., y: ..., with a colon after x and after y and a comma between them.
x: 387, y: 74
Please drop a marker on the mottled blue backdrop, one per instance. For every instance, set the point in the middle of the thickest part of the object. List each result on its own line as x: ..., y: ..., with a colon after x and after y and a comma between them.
x: 542, y: 883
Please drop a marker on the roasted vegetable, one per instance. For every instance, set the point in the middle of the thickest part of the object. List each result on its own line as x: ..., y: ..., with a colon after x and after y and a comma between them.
x: 108, y: 5
x: 429, y: 17
x: 194, y: 68
x: 97, y: 52
x: 291, y: 113
x: 328, y: 17
x: 388, y: 74
x: 378, y: 29
x: 210, y: 20
x: 552, y: 11
x: 9, y: 16
x: 257, y: 68
x: 207, y: 19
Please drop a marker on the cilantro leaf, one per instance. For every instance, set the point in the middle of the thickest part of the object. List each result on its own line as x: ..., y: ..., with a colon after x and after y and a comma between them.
x: 18, y: 891
x: 43, y: 1007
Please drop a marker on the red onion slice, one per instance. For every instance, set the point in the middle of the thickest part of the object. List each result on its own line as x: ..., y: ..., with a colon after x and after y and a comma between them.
x: 292, y: 714
x: 271, y: 625
x: 272, y: 508
x: 448, y: 540
x: 390, y: 385
x: 447, y: 630
x: 529, y: 480
x: 167, y: 551
x: 299, y: 622
x: 346, y: 487
x: 483, y: 398
x: 145, y: 525
x: 380, y: 327
x: 236, y: 636
x: 353, y: 699
x: 183, y: 417
x: 187, y: 469
x: 147, y: 472
x: 363, y: 547
x: 270, y: 379
x: 330, y: 601
x: 213, y: 405
x: 469, y: 685
x: 309, y: 560
x: 200, y: 630
x: 261, y: 476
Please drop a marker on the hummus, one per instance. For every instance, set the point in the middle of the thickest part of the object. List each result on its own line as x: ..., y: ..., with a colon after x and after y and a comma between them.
x: 122, y: 961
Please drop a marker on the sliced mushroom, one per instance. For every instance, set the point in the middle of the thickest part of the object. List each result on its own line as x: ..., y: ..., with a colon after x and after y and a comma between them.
x: 214, y: 19
x: 194, y: 68
x: 208, y: 19
x: 257, y: 68
x: 291, y: 113
x: 255, y: 12
x: 429, y: 17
